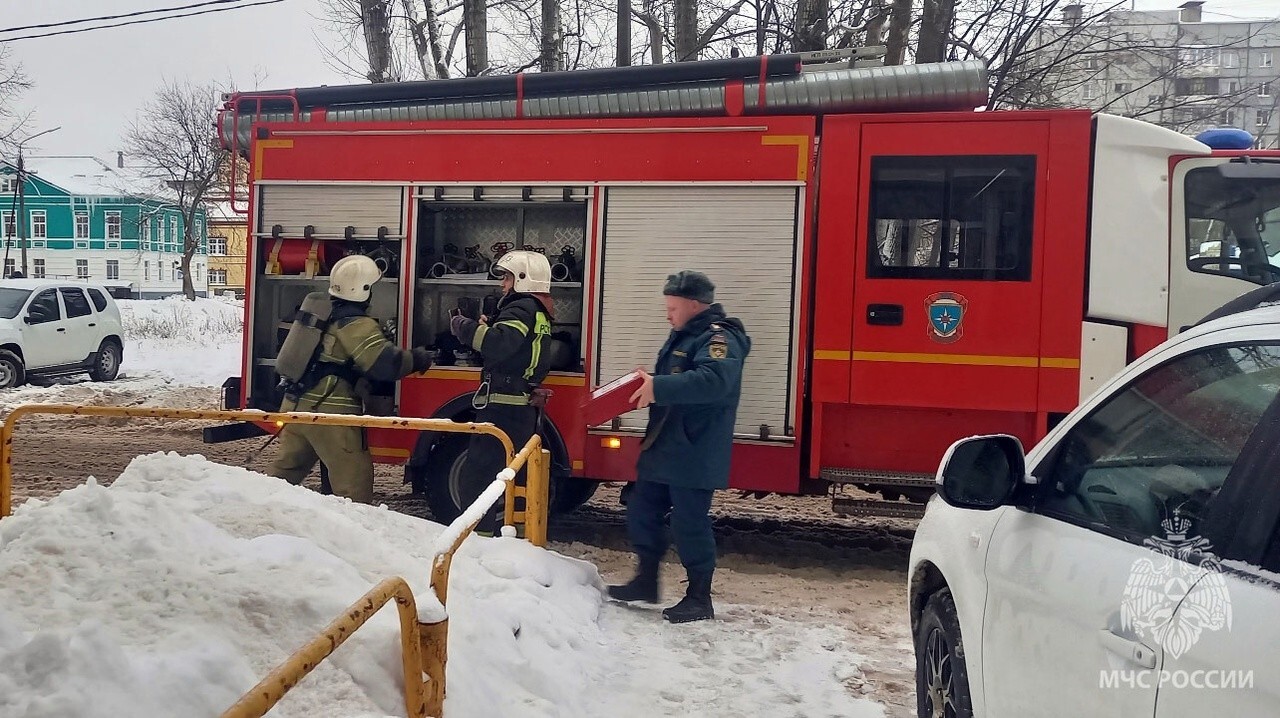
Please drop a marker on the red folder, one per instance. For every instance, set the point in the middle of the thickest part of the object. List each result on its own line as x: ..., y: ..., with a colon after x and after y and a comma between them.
x: 611, y: 400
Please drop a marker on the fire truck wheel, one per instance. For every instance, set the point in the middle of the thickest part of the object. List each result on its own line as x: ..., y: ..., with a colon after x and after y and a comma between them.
x: 443, y: 479
x: 12, y: 371
x: 568, y: 493
x: 942, y: 679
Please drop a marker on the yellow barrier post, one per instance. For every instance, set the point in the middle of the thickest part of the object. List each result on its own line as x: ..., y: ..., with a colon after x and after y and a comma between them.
x: 263, y: 697
x: 424, y: 646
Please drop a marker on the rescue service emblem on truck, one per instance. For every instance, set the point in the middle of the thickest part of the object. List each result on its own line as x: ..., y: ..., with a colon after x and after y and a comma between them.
x: 946, y: 316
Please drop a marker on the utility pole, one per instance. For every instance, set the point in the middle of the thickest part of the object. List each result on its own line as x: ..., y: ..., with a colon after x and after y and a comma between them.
x: 21, y: 219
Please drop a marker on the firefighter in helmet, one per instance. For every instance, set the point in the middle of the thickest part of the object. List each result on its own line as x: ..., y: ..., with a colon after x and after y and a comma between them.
x: 332, y: 374
x: 514, y: 347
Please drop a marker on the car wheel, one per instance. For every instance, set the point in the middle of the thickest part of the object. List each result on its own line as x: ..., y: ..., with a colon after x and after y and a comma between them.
x: 106, y: 364
x: 942, y: 681
x: 12, y: 371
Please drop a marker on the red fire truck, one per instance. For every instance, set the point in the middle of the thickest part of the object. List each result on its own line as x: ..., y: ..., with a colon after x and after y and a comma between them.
x: 910, y: 270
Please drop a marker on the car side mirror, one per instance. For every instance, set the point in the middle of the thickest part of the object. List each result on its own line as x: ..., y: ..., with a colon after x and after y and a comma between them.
x: 981, y: 472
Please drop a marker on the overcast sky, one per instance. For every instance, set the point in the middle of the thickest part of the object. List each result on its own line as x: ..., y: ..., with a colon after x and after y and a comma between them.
x: 91, y: 83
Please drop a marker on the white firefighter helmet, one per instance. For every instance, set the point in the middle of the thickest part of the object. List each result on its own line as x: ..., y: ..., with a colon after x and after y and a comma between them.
x: 531, y: 270
x: 352, y: 278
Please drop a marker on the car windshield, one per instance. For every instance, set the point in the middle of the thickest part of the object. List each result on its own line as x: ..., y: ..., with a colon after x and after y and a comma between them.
x: 1235, y: 218
x: 11, y: 301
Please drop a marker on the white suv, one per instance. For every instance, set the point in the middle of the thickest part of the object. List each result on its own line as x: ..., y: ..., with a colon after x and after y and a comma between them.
x: 57, y: 328
x: 1126, y: 566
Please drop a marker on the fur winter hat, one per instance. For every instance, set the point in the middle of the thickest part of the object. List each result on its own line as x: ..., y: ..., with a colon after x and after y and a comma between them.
x: 690, y: 285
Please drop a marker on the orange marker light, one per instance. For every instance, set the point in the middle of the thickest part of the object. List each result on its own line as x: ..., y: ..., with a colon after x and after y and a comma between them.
x: 612, y: 442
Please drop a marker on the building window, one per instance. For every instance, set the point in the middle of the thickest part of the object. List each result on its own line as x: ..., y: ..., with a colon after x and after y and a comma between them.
x: 82, y: 269
x: 1090, y: 90
x: 217, y: 276
x: 82, y: 224
x: 1123, y: 87
x: 39, y: 225
x: 9, y: 229
x: 113, y: 245
x: 1264, y: 58
x: 1200, y: 56
x: 1189, y: 86
x: 113, y: 225
x: 113, y: 269
x: 38, y: 243
x: 146, y: 271
x: 217, y: 245
x: 1229, y: 117
x: 37, y: 268
x: 195, y: 273
x: 1233, y: 87
x: 199, y: 230
x: 8, y: 184
x: 951, y: 217
x: 1230, y: 58
x: 1264, y: 118
x: 82, y: 244
x: 1264, y: 90
x: 160, y: 271
x: 146, y: 233
x: 172, y: 236
x: 10, y: 265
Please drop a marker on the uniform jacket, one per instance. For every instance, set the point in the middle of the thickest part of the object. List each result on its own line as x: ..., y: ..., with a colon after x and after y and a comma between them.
x: 696, y: 385
x: 353, y: 345
x: 513, y: 346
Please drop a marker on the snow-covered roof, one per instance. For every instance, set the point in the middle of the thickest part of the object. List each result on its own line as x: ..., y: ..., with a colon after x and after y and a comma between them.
x: 91, y: 176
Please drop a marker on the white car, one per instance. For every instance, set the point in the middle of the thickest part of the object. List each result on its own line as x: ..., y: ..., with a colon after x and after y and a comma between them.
x: 57, y: 328
x: 1128, y: 565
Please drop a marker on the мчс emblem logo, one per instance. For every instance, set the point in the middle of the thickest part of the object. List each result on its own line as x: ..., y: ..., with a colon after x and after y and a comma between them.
x: 1178, y: 593
x: 946, y: 316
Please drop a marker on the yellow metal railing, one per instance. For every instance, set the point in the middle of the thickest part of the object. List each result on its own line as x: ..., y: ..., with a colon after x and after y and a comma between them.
x: 424, y: 646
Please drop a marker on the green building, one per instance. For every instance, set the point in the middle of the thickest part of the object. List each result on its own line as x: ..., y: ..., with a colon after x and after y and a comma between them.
x: 88, y: 220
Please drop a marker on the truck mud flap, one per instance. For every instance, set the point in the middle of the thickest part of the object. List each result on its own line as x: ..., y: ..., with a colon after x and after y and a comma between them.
x: 232, y: 432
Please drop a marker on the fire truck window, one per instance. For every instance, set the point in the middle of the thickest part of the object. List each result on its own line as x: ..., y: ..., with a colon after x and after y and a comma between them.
x: 960, y: 217
x: 1233, y: 225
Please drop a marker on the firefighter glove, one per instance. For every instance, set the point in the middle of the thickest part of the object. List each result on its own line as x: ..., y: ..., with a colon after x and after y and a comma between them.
x: 421, y: 359
x: 458, y: 324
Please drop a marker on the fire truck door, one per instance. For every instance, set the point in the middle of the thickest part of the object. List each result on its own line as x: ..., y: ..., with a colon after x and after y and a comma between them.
x: 947, y: 298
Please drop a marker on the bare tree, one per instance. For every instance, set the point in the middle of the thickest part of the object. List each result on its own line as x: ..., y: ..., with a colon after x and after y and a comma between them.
x: 13, y: 82
x: 549, y: 58
x: 935, y: 30
x: 899, y: 33
x: 686, y: 30
x: 174, y: 144
x: 375, y: 17
x: 812, y: 17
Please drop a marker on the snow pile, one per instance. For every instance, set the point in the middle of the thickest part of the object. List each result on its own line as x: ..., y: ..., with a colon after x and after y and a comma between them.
x: 187, y: 343
x: 176, y: 589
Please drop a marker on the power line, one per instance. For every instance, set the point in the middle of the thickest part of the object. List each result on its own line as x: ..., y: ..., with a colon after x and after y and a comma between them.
x: 117, y: 17
x: 141, y: 22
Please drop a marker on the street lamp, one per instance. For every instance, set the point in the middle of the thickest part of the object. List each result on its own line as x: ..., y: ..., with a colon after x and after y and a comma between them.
x: 22, y: 183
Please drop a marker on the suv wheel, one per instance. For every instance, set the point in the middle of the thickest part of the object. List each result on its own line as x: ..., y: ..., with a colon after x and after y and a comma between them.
x: 12, y: 371
x: 942, y: 682
x: 106, y: 364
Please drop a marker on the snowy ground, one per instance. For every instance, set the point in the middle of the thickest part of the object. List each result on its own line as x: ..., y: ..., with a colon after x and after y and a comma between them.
x: 176, y: 588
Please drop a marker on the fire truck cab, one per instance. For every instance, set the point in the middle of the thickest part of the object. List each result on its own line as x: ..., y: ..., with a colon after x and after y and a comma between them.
x: 910, y: 271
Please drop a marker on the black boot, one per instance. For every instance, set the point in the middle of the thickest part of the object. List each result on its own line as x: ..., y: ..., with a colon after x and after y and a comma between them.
x: 644, y: 587
x: 696, y: 604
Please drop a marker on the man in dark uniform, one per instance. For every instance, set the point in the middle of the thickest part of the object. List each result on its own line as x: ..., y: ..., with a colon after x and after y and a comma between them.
x: 693, y: 393
x: 353, y: 349
x: 514, y: 348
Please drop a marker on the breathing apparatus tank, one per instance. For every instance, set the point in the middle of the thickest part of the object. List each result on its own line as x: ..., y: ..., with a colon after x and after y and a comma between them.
x: 302, y: 345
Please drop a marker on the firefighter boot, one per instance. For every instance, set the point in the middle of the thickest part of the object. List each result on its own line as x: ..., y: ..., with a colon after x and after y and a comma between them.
x: 644, y: 587
x: 696, y: 604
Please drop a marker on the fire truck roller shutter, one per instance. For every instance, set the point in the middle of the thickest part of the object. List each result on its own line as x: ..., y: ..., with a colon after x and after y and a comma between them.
x: 330, y: 209
x: 745, y: 239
